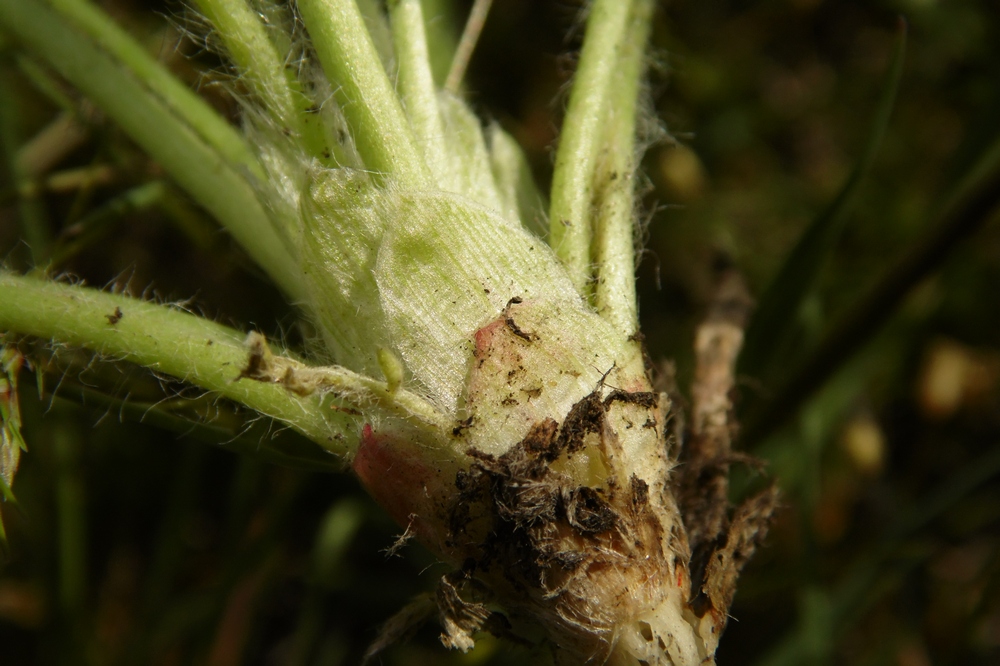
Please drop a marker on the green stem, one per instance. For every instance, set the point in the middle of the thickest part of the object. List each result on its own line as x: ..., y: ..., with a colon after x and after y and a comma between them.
x: 121, y: 47
x: 582, y: 135
x: 522, y: 200
x: 46, y: 83
x: 32, y: 215
x: 364, y: 390
x: 373, y: 12
x: 255, y: 55
x: 206, y: 156
x: 381, y: 133
x: 166, y: 340
x: 614, y: 249
x: 442, y: 29
x: 416, y: 85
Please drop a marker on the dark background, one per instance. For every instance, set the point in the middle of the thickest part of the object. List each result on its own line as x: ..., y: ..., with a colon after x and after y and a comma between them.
x: 142, y: 540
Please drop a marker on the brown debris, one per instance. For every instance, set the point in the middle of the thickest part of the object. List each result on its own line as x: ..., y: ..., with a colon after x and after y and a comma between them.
x: 721, y: 545
x: 748, y: 528
x: 512, y: 325
x: 588, y: 511
x: 259, y: 359
x: 459, y: 618
x: 586, y: 416
x: 583, y: 557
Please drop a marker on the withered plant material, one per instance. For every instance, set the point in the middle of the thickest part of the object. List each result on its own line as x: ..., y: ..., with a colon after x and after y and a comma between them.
x: 401, y: 625
x: 459, y: 618
x: 721, y: 544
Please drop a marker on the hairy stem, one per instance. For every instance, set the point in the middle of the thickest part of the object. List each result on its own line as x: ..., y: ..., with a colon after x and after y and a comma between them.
x: 581, y: 138
x: 165, y: 340
x: 349, y: 59
x: 416, y: 84
x: 273, y: 81
x: 614, y: 246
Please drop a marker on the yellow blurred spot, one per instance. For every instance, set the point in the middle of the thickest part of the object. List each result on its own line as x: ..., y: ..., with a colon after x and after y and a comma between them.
x: 682, y: 173
x: 952, y: 376
x: 864, y: 444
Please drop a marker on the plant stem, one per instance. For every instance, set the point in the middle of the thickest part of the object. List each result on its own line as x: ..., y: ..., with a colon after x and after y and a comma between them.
x: 206, y: 156
x: 581, y: 137
x: 373, y: 12
x: 253, y: 54
x: 365, y: 94
x: 515, y: 183
x: 613, y: 247
x: 36, y: 156
x: 416, y: 84
x: 466, y: 45
x: 274, y: 83
x: 121, y: 47
x: 303, y: 379
x: 42, y: 79
x: 32, y: 215
x: 166, y: 340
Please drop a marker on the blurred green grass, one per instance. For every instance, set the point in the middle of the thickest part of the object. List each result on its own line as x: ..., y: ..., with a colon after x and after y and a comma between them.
x: 136, y: 544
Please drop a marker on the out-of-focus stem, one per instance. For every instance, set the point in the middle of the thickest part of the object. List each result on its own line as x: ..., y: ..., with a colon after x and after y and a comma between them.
x: 44, y: 150
x: 121, y: 47
x: 467, y: 44
x: 206, y: 156
x: 34, y: 222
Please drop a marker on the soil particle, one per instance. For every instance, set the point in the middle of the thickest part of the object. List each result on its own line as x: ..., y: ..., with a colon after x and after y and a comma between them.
x: 586, y: 416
